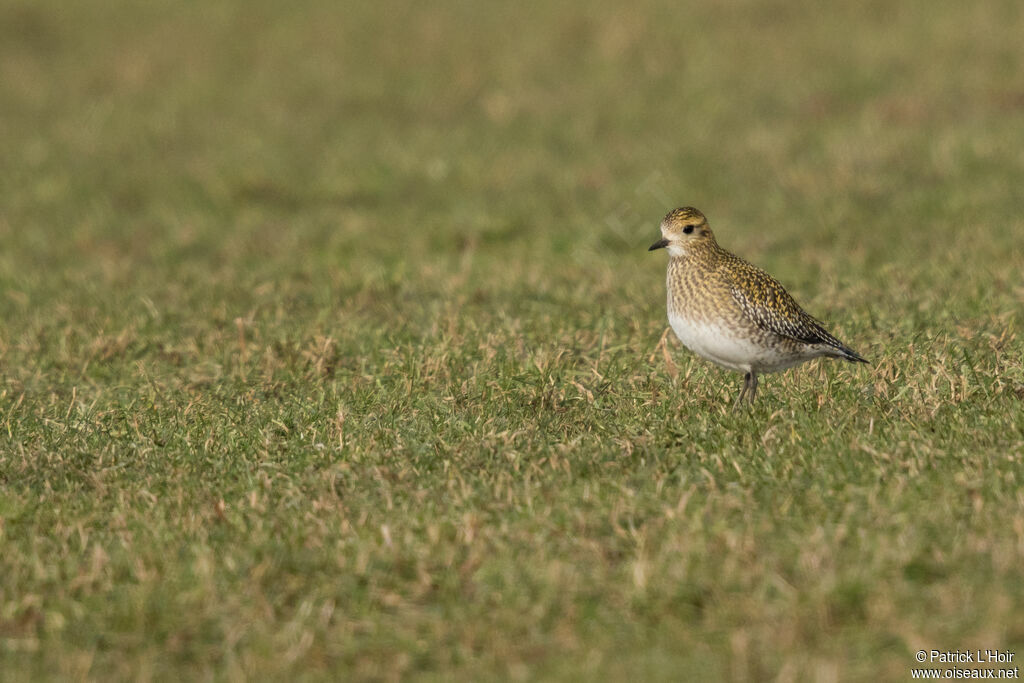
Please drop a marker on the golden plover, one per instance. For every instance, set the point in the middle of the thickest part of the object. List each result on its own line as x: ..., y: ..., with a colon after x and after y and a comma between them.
x: 733, y: 313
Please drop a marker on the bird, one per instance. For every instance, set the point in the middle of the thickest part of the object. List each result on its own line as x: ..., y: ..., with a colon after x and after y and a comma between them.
x: 731, y: 312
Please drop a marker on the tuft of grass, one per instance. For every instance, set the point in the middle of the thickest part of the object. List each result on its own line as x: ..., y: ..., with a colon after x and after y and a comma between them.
x: 330, y: 346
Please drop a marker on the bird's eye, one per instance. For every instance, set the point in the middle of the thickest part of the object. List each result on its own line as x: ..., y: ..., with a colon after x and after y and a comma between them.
x: 688, y: 229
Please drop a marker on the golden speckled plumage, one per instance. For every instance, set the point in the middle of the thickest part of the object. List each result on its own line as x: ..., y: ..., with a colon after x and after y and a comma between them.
x: 731, y: 312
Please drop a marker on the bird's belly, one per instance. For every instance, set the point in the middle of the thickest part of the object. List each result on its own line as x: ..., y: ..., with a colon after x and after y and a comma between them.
x: 730, y: 349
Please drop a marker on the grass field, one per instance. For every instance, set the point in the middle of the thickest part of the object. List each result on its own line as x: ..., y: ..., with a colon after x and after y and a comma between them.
x: 329, y: 340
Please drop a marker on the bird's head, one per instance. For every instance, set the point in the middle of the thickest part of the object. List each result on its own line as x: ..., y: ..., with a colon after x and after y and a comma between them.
x: 683, y: 229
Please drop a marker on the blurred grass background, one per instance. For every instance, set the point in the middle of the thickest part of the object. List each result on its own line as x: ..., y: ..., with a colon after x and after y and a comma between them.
x: 330, y: 341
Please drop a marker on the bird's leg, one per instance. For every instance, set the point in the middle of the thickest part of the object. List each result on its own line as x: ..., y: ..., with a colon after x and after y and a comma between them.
x: 743, y: 391
x: 752, y: 376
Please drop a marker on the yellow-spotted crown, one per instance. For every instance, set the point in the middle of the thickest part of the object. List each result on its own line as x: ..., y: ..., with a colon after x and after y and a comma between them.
x: 684, y: 215
x: 685, y: 221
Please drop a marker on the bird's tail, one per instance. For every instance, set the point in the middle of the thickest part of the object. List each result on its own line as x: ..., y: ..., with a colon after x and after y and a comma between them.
x: 846, y: 353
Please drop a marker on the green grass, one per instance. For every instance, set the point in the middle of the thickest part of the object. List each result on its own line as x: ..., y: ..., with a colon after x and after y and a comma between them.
x: 329, y: 343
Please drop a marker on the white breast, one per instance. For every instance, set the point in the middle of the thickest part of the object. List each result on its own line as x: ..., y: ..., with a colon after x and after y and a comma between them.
x: 723, y: 347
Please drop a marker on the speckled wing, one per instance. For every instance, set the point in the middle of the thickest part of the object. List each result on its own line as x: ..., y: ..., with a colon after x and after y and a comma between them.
x: 768, y: 305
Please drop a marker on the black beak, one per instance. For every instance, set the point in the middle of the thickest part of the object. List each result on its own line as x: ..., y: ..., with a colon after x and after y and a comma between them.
x: 660, y: 244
